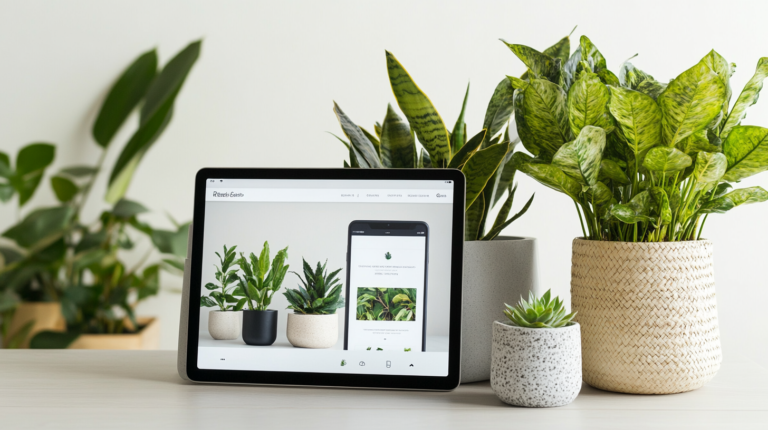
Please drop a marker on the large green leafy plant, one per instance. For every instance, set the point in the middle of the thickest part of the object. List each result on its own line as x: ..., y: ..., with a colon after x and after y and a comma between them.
x: 641, y: 159
x: 52, y: 254
x: 260, y: 279
x: 485, y: 158
x: 319, y: 292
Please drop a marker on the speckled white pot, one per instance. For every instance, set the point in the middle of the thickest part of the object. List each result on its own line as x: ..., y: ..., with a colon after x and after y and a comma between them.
x: 536, y: 367
x: 225, y: 325
x: 313, y: 331
x: 495, y: 272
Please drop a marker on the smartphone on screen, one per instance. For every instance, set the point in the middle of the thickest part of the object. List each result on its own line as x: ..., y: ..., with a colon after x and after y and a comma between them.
x: 386, y: 286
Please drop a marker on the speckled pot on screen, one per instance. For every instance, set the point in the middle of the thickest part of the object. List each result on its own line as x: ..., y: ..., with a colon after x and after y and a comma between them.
x: 224, y: 325
x: 313, y: 331
x: 536, y: 367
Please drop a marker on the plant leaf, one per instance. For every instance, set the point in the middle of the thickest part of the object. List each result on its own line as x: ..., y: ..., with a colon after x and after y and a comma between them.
x: 358, y: 140
x: 581, y: 158
x: 497, y: 229
x: 79, y: 171
x: 591, y: 55
x: 609, y: 169
x: 473, y: 217
x: 123, y: 97
x: 53, y: 340
x: 480, y: 167
x: 690, y: 102
x: 661, y: 201
x: 397, y: 143
x: 735, y: 198
x: 545, y: 113
x: 709, y: 168
x: 420, y: 112
x: 499, y: 109
x: 636, y: 210
x: 30, y: 165
x: 747, y: 98
x: 64, y: 189
x: 722, y: 69
x: 560, y: 50
x: 746, y: 150
x: 457, y: 136
x: 39, y: 225
x: 588, y: 104
x: 599, y: 194
x: 466, y: 151
x: 547, y: 174
x: 542, y: 66
x: 125, y: 208
x: 666, y: 160
x: 639, y: 118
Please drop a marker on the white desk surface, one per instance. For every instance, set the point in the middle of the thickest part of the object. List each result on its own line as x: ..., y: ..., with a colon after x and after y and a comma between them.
x: 73, y: 389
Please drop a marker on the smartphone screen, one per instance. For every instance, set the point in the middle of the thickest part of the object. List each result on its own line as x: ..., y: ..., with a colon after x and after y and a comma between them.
x: 386, y: 286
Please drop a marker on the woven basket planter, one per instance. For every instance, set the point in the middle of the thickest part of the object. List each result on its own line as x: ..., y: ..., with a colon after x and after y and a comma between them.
x: 648, y: 315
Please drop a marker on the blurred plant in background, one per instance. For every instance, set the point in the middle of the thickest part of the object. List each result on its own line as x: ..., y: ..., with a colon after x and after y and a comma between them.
x: 53, y: 255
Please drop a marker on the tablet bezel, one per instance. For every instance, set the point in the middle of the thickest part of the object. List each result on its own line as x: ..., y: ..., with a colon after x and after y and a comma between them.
x: 438, y: 383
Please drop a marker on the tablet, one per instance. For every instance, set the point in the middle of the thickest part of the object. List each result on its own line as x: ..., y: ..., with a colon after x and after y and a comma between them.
x: 324, y: 277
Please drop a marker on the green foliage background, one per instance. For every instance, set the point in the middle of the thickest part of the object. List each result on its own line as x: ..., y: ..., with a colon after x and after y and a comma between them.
x: 386, y: 304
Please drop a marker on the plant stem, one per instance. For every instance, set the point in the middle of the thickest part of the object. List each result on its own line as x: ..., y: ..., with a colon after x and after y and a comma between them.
x: 698, y: 237
x: 581, y: 220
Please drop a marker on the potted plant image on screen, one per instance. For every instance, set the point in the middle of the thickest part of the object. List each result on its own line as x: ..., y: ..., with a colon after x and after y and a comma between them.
x: 386, y: 304
x: 314, y: 322
x: 224, y: 323
x: 257, y: 284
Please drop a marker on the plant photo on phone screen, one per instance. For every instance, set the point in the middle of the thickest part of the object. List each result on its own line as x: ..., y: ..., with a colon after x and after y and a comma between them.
x: 386, y: 304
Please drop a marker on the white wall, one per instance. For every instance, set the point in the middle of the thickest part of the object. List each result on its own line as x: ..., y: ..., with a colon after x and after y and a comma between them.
x: 262, y: 92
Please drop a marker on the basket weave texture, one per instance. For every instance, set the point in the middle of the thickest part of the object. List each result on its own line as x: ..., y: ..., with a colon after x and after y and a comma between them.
x: 648, y: 315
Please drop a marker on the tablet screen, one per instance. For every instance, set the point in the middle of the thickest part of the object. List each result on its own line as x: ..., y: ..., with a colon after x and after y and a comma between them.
x: 326, y: 276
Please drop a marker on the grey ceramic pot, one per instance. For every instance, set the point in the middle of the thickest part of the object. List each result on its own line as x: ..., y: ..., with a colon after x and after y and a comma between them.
x: 495, y: 272
x: 536, y: 367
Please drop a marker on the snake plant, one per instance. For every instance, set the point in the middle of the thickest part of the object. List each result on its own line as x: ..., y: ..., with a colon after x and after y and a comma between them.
x: 319, y: 294
x: 539, y: 312
x: 642, y: 160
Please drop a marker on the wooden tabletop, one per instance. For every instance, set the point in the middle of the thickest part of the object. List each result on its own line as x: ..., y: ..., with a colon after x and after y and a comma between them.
x: 141, y: 390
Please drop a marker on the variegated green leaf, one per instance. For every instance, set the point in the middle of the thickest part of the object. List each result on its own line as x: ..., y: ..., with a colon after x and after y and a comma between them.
x: 690, y: 102
x: 639, y: 118
x: 420, y: 112
x: 466, y: 151
x: 480, y: 167
x: 581, y: 158
x: 696, y: 143
x: 636, y: 210
x: 373, y: 139
x: 542, y: 66
x: 651, y: 88
x: 662, y: 209
x: 473, y: 217
x: 397, y: 143
x: 523, y: 131
x: 746, y: 150
x: 735, y: 198
x: 458, y: 138
x: 591, y: 55
x: 599, y: 194
x: 560, y: 50
x: 547, y: 174
x: 545, y: 113
x: 363, y: 147
x: 666, y: 160
x: 568, y: 71
x: 608, y: 78
x: 425, y: 161
x: 499, y: 109
x: 630, y: 76
x: 610, y: 170
x: 588, y: 103
x: 723, y: 70
x: 709, y: 167
x: 747, y: 98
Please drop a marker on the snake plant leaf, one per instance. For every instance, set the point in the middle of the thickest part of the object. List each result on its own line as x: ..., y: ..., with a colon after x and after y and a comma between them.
x: 636, y: 210
x: 542, y: 66
x: 545, y: 113
x: 357, y: 139
x: 588, y: 104
x: 156, y: 114
x: 497, y: 229
x: 397, y: 142
x: 639, y: 118
x: 425, y: 161
x: 568, y: 71
x: 723, y: 69
x: 611, y: 170
x: 499, y: 109
x: 473, y: 217
x: 599, y: 194
x: 420, y: 112
x: 466, y: 151
x: 662, y: 207
x: 747, y: 98
x: 666, y: 160
x: 746, y: 150
x: 735, y: 198
x: 504, y: 177
x: 708, y: 168
x: 696, y: 143
x: 123, y: 97
x: 547, y: 174
x: 690, y: 102
x: 64, y: 188
x: 503, y: 214
x: 581, y: 158
x: 480, y: 168
x: 458, y: 136
x: 371, y: 138
x: 591, y: 55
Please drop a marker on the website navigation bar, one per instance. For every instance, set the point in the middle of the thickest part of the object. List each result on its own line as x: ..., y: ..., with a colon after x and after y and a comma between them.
x: 315, y: 195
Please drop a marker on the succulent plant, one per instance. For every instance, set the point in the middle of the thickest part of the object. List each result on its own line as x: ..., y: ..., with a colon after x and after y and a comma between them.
x: 539, y: 312
x: 319, y: 294
x: 259, y: 282
x: 221, y: 295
